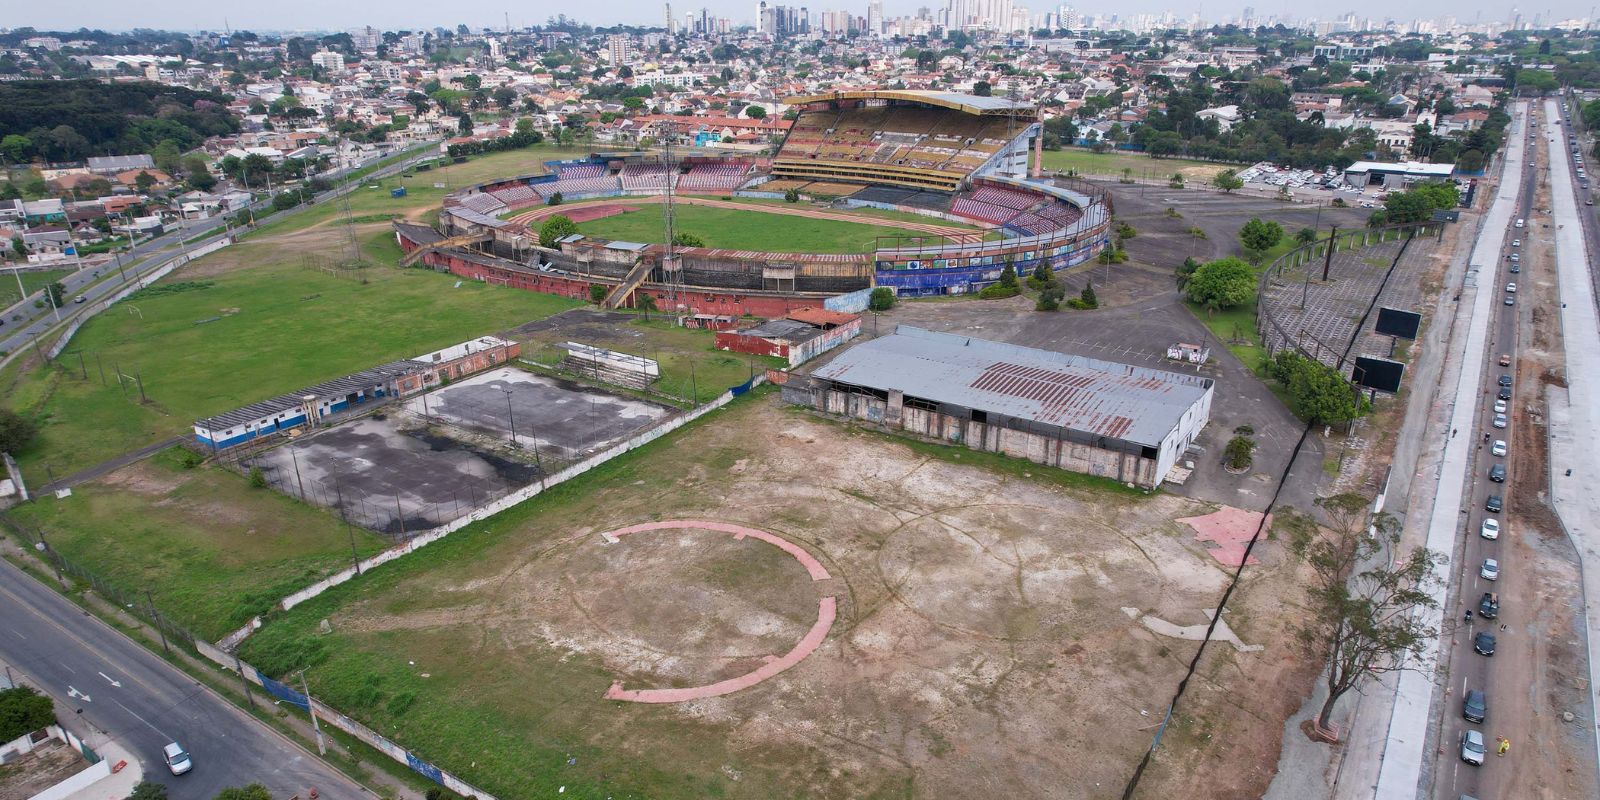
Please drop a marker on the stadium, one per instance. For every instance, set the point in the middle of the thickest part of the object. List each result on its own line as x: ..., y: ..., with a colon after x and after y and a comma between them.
x: 942, y: 179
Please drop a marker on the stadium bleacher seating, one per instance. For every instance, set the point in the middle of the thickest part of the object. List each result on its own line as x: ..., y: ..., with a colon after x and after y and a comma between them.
x: 644, y: 178
x: 984, y: 212
x: 518, y: 196
x: 483, y: 204
x: 571, y: 187
x: 718, y: 177
x: 915, y: 146
x: 992, y: 195
x: 581, y: 171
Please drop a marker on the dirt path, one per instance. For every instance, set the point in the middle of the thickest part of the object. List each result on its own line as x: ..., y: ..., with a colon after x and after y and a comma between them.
x: 960, y: 234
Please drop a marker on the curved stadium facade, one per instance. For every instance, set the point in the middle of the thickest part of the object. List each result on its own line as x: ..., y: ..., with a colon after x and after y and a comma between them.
x: 944, y: 156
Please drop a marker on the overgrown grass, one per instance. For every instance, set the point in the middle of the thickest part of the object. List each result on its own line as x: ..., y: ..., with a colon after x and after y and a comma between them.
x: 1087, y: 162
x: 692, y: 368
x: 213, y: 551
x: 31, y: 282
x: 745, y: 230
x: 254, y: 333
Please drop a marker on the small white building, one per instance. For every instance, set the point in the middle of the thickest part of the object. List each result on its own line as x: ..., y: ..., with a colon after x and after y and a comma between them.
x: 1396, y: 175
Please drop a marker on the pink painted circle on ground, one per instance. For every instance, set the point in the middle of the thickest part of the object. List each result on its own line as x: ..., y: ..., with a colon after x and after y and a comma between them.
x: 827, y: 608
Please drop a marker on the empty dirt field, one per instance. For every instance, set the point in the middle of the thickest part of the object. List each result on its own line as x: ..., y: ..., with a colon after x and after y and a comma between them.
x: 849, y: 614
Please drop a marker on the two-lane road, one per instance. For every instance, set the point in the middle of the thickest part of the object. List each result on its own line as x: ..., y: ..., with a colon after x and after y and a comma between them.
x: 80, y: 661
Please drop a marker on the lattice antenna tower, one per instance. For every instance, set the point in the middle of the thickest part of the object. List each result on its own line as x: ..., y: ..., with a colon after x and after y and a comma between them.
x: 671, y: 269
x: 352, y: 254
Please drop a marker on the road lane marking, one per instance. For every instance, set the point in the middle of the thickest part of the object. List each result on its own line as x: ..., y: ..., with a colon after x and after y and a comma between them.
x: 142, y: 719
x: 115, y: 683
x: 67, y: 668
x: 72, y: 692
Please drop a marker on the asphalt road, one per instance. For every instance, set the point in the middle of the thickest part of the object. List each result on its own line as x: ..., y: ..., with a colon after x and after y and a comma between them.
x: 1501, y: 677
x: 25, y: 322
x: 80, y: 660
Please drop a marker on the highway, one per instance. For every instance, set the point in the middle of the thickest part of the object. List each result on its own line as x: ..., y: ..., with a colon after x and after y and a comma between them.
x: 20, y: 332
x: 143, y: 702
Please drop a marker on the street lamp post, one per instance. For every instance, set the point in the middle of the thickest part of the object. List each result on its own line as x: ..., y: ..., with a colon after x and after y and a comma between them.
x: 511, y: 419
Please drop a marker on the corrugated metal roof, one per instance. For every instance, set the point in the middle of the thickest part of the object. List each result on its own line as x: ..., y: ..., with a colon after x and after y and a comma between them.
x: 336, y: 389
x: 1104, y: 398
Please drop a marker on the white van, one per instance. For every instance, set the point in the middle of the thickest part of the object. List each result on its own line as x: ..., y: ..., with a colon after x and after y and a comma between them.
x: 1519, y: 223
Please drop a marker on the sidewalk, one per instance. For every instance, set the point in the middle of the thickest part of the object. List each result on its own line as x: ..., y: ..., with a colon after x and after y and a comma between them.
x: 117, y: 785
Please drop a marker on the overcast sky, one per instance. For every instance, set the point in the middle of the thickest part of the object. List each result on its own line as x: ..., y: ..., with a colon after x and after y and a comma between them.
x: 398, y: 14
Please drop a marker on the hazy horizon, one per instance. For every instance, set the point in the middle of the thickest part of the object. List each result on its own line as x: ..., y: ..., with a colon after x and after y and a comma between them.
x: 292, y: 15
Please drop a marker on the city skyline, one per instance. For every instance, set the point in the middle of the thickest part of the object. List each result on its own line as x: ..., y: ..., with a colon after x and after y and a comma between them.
x: 402, y: 14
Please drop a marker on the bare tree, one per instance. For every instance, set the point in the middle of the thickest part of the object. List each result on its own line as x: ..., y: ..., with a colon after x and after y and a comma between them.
x: 1362, y: 613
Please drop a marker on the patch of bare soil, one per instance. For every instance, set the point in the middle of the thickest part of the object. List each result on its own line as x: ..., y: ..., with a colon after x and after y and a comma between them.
x: 32, y: 773
x: 980, y: 650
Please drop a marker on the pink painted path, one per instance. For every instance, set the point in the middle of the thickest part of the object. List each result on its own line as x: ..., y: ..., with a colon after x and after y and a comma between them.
x: 591, y: 213
x: 827, y: 609
x: 1230, y: 530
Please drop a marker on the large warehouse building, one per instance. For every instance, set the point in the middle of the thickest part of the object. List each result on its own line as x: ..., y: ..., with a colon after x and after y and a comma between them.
x: 1128, y: 423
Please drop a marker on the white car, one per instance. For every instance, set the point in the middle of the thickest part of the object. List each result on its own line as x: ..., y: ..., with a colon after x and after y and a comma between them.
x: 1499, y: 406
x: 1516, y: 242
x: 1472, y: 747
x: 1511, y: 288
x: 1500, y: 420
x: 1499, y: 447
x: 1490, y: 529
x: 1490, y: 571
x: 177, y: 758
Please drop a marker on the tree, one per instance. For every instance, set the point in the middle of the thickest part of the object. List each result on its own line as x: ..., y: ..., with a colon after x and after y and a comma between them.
x: 1185, y: 272
x: 644, y: 301
x: 57, y: 293
x: 1008, y: 276
x: 144, y: 181
x: 254, y: 791
x: 755, y: 112
x: 1364, y: 595
x: 1087, y: 296
x: 1305, y: 235
x: 555, y: 229
x: 19, y: 248
x: 555, y: 199
x: 881, y: 299
x: 791, y: 196
x: 464, y: 124
x: 982, y: 88
x: 1050, y: 295
x: 688, y: 240
x: 1237, y: 453
x: 1224, y: 283
x: 597, y: 294
x: 23, y: 711
x: 1227, y: 180
x: 16, y: 433
x: 16, y: 148
x: 1318, y: 393
x: 148, y: 790
x: 1259, y: 235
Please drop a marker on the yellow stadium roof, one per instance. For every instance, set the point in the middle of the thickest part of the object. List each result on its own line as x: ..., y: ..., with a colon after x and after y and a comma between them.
x: 969, y: 103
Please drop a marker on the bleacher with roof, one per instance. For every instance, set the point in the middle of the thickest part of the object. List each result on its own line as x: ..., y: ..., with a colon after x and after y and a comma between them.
x: 912, y: 139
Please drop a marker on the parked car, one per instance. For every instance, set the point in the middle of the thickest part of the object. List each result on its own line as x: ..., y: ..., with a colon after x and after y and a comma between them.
x: 1483, y: 644
x: 1516, y: 269
x: 1511, y: 288
x: 1472, y: 749
x: 1516, y: 242
x: 1497, y: 473
x: 177, y: 758
x: 1510, y: 300
x: 1489, y: 605
x: 1504, y: 393
x: 1505, y: 380
x: 1514, y: 257
x: 1490, y: 529
x: 1500, y: 419
x: 1495, y: 504
x: 1505, y: 359
x: 1499, y: 406
x: 1475, y: 706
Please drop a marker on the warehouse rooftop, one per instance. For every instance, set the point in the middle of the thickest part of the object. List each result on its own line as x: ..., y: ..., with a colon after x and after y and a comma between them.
x: 1104, y: 398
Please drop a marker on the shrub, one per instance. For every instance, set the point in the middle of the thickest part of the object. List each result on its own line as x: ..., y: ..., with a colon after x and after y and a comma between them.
x: 1174, y: 213
x: 22, y: 711
x: 791, y: 196
x: 554, y: 200
x: 1126, y: 231
x: 1050, y: 296
x: 1237, y: 454
x: 997, y: 291
x: 881, y: 299
x: 258, y: 479
x: 1087, y: 296
x: 16, y: 433
x: 597, y: 294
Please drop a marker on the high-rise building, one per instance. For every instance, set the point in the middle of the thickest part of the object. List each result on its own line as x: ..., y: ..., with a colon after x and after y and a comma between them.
x: 328, y: 60
x: 875, y: 18
x: 672, y: 24
x: 617, y: 46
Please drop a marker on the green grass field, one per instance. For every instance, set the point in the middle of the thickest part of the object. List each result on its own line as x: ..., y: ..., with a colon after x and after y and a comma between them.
x: 31, y: 282
x: 264, y: 326
x: 745, y: 230
x: 1111, y: 164
x: 213, y: 551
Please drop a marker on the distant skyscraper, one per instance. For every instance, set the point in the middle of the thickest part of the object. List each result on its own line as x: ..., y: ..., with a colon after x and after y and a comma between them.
x: 672, y: 24
x: 875, y: 18
x: 617, y: 44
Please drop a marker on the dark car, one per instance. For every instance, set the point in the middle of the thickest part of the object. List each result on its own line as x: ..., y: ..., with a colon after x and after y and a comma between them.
x: 1505, y: 380
x: 1504, y: 393
x: 1497, y: 473
x: 1474, y: 707
x: 1483, y: 643
x: 1516, y: 269
x: 1489, y: 605
x: 1495, y: 504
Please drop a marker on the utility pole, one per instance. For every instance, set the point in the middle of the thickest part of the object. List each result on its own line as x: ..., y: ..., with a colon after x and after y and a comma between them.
x: 322, y: 746
x: 155, y: 619
x: 1327, y: 261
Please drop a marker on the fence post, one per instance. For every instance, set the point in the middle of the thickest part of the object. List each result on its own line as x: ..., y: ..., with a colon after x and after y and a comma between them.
x: 155, y: 619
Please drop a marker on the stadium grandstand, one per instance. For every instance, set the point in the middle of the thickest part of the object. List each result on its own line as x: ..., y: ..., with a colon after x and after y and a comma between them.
x: 915, y: 139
